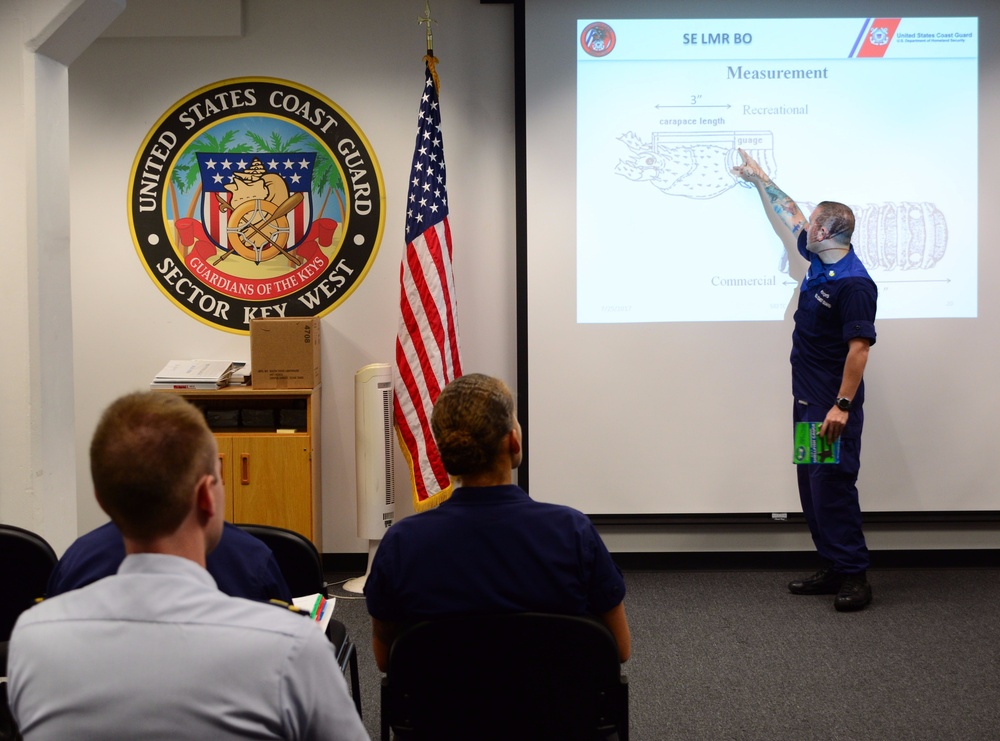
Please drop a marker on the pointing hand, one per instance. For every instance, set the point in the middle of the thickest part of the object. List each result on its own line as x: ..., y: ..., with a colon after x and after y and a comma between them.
x: 749, y: 170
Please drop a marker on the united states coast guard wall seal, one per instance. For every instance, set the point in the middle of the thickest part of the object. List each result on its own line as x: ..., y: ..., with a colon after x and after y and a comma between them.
x: 256, y: 197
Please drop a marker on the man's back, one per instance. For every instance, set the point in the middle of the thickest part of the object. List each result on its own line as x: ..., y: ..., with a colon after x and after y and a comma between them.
x: 157, y: 652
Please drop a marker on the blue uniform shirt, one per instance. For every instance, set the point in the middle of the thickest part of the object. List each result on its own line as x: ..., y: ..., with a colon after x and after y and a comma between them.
x: 490, y: 550
x: 836, y: 304
x: 241, y: 565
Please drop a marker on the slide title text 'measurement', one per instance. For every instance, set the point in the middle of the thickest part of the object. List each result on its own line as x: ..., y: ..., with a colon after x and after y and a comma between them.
x: 739, y: 73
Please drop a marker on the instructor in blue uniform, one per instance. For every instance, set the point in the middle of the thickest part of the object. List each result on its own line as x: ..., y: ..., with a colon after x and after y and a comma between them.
x: 834, y: 329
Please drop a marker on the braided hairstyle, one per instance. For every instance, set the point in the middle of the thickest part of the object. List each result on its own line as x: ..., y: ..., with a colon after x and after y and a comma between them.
x: 471, y: 418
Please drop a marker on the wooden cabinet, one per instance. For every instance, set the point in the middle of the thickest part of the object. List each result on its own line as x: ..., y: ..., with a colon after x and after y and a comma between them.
x: 269, y: 451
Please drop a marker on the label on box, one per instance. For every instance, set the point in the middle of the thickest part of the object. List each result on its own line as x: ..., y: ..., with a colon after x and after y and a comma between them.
x: 811, y: 447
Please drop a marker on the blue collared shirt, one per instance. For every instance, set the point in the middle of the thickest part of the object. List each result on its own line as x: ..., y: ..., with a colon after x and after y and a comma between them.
x: 241, y: 565
x: 837, y: 303
x: 491, y: 550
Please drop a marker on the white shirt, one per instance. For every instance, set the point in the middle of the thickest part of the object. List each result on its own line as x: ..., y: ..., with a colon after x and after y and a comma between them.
x: 157, y: 652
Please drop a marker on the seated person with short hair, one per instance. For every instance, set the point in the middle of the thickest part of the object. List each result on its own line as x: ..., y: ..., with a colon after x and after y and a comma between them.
x: 156, y: 651
x: 489, y: 548
x: 242, y: 565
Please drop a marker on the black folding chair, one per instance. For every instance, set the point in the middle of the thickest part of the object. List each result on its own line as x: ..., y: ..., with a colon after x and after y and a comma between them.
x: 26, y: 561
x: 523, y: 676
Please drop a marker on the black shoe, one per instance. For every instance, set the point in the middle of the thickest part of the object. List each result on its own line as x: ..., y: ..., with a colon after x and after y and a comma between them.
x: 824, y: 581
x: 855, y: 594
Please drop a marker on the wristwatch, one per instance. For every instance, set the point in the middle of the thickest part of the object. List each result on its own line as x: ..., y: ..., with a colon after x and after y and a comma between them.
x: 843, y: 403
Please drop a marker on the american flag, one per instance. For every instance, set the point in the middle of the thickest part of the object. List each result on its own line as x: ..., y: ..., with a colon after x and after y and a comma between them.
x: 427, y: 352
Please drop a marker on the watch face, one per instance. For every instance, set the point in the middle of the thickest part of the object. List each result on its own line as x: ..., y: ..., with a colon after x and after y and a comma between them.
x: 844, y: 404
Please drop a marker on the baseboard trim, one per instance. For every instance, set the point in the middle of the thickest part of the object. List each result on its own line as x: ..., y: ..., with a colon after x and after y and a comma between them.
x: 804, y: 560
x: 356, y: 563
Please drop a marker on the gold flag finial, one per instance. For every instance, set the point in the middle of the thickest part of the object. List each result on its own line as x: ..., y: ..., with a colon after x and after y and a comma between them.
x: 426, y: 20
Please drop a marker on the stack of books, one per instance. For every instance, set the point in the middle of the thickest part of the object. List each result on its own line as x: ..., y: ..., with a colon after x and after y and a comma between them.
x: 241, y: 373
x: 194, y: 374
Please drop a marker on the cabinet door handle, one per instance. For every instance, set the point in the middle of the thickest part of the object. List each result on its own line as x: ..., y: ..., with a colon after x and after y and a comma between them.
x: 244, y: 468
x: 222, y: 469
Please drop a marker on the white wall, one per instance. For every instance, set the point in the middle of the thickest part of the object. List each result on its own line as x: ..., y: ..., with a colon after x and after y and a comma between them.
x: 38, y: 40
x: 366, y: 57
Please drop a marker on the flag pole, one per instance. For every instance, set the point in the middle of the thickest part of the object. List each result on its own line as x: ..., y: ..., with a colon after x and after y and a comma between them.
x: 427, y: 340
x: 426, y: 21
x: 357, y: 585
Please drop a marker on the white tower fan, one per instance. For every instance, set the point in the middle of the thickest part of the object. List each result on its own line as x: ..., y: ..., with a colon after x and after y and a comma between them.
x: 373, y: 459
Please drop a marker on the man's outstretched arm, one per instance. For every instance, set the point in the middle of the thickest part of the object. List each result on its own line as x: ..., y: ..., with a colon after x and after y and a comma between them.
x: 777, y: 203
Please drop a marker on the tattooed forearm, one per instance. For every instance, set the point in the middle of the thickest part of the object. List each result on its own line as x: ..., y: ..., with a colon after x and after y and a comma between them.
x: 786, y: 209
x: 777, y: 197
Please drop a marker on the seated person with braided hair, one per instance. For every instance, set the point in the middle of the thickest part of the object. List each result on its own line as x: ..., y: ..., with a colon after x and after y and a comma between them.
x: 490, y: 548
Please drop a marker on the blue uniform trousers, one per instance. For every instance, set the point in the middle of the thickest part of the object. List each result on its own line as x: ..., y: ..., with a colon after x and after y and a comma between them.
x: 829, y: 496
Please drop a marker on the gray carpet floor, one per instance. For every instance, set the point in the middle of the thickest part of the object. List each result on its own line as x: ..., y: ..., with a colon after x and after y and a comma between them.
x: 734, y: 655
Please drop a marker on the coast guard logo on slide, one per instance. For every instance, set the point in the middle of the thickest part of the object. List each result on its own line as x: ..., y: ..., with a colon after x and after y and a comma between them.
x: 256, y: 197
x: 879, y: 36
x: 598, y: 39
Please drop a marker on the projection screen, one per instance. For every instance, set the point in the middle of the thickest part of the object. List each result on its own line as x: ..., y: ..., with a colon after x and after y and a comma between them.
x: 657, y: 299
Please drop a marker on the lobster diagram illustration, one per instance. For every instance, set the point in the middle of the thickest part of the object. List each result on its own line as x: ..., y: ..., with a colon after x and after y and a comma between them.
x: 693, y: 165
x: 907, y: 235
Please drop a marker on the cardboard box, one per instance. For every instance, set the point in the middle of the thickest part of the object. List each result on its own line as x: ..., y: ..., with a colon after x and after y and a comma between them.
x: 285, y: 353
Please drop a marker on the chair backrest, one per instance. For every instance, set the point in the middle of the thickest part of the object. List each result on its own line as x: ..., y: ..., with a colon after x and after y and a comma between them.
x: 297, y: 557
x: 523, y: 676
x: 26, y: 562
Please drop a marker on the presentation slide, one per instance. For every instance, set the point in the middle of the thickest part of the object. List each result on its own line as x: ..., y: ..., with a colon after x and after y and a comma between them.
x: 663, y: 106
x: 658, y: 301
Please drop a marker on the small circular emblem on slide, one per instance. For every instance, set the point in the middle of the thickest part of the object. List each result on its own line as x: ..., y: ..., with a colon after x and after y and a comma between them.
x: 598, y: 39
x: 256, y: 197
x: 879, y: 36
